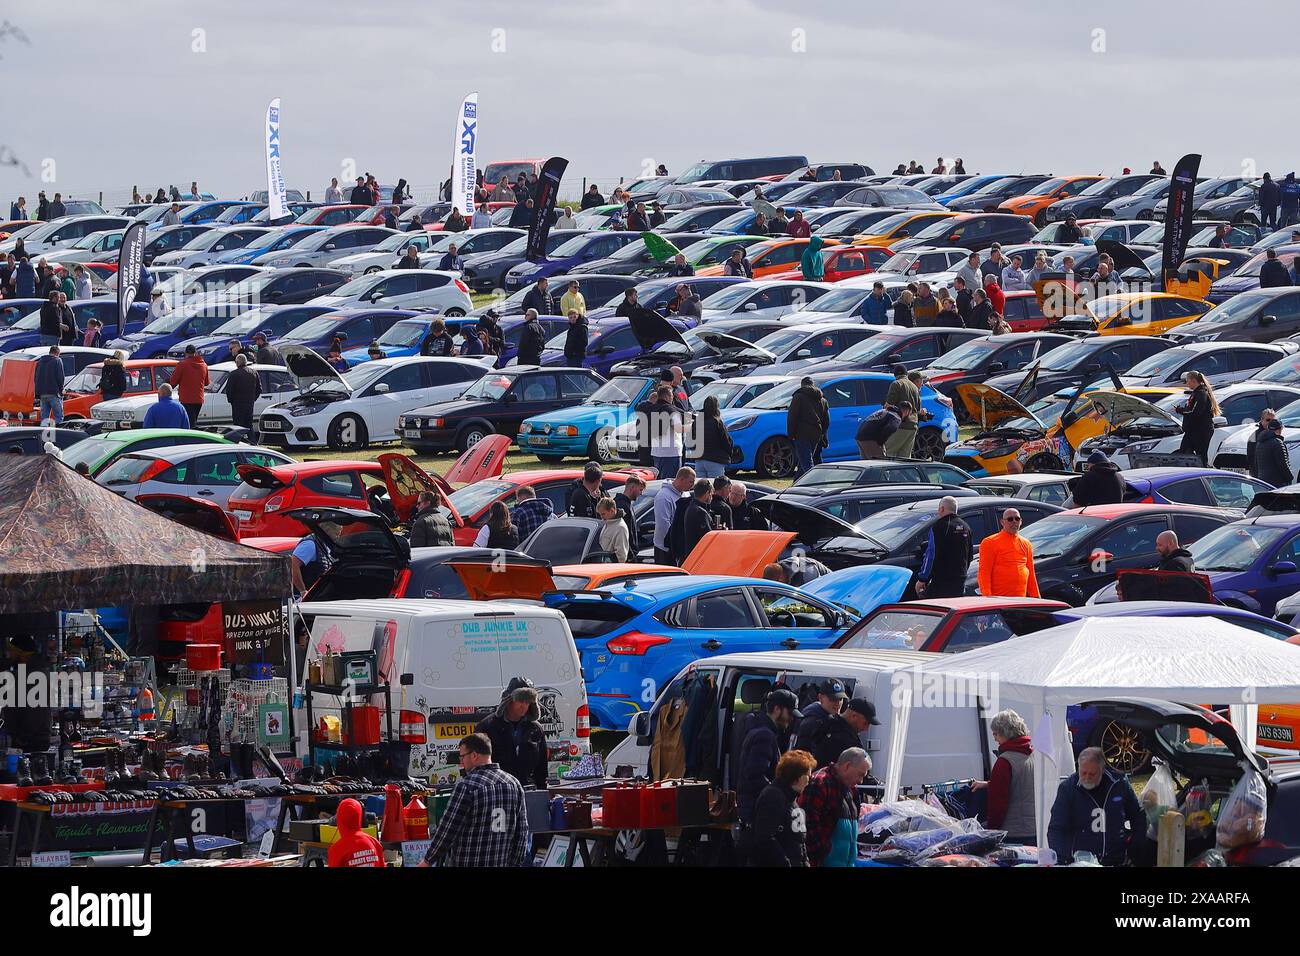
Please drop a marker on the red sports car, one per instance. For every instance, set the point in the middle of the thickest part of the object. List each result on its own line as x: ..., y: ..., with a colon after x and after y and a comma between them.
x: 845, y: 262
x: 950, y: 625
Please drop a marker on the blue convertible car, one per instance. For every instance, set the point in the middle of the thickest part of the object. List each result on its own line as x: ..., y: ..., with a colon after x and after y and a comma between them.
x: 633, y: 639
x: 758, y: 430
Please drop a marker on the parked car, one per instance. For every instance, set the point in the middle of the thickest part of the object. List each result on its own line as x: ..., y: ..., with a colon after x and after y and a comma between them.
x: 949, y: 625
x: 1035, y: 202
x: 1084, y: 360
x: 914, y: 348
x: 1054, y: 488
x: 441, y: 292
x: 1207, y: 487
x: 98, y: 452
x: 323, y: 247
x: 1221, y: 362
x: 786, y: 349
x: 974, y: 231
x: 129, y: 412
x: 838, y: 476
x: 1255, y: 315
x: 263, y: 501
x: 274, y: 320
x: 585, y: 430
x: 62, y: 232
x: 354, y: 327
x: 581, y: 249
x: 271, y: 240
x: 993, y: 193
x: 204, y: 248
x: 976, y: 359
x: 1089, y: 203
x: 205, y: 471
x: 1208, y: 198
x: 804, y: 514
x: 615, y: 340
x: 31, y: 440
x: 487, y: 271
x: 82, y: 392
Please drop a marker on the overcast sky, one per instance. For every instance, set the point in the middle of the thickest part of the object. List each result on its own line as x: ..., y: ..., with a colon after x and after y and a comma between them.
x: 1007, y: 86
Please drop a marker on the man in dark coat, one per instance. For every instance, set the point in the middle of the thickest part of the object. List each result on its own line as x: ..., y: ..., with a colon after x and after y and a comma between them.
x: 948, y: 554
x: 840, y: 731
x: 585, y: 492
x: 1269, y: 198
x: 532, y: 340
x: 1101, y: 484
x: 539, y: 297
x: 518, y: 741
x: 807, y: 422
x: 875, y: 430
x: 592, y: 197
x: 429, y: 526
x: 1173, y: 557
x: 761, y: 748
x: 692, y: 520
x: 1272, y: 273
x: 1089, y: 813
x: 1272, y: 463
x: 360, y: 193
x: 575, y: 339
x: 51, y: 328
x: 242, y: 391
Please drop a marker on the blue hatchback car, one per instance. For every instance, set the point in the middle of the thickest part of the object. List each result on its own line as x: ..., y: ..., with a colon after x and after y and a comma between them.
x: 356, y: 326
x: 577, y: 251
x: 26, y: 332
x: 584, y: 431
x: 1212, y: 487
x: 401, y: 340
x: 758, y: 430
x: 633, y: 639
x: 274, y: 320
x: 276, y: 241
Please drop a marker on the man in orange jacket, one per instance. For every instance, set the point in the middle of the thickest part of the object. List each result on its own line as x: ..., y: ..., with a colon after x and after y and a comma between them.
x: 1007, y: 561
x: 189, y: 379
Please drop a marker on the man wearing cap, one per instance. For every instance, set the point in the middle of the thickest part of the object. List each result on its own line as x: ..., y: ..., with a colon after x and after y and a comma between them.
x: 902, y: 390
x: 830, y: 701
x: 761, y: 748
x: 1272, y: 463
x: 1101, y: 484
x: 1069, y: 233
x: 518, y: 741
x: 267, y: 354
x: 189, y: 380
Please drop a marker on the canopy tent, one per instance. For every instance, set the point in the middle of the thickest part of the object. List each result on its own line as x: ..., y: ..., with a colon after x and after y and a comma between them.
x: 1186, y: 659
x: 67, y: 542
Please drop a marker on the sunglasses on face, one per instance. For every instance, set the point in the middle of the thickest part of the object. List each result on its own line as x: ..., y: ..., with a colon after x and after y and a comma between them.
x: 1012, y: 520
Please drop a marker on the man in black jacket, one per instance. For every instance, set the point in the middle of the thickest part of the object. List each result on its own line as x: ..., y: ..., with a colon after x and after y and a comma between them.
x: 532, y: 340
x: 585, y: 492
x: 592, y: 197
x: 1270, y: 196
x: 840, y: 731
x: 1272, y: 463
x: 1172, y: 557
x: 242, y: 391
x: 632, y: 490
x: 761, y: 748
x: 691, y: 521
x: 438, y: 342
x: 1101, y: 484
x: 539, y: 297
x: 875, y: 430
x: 429, y: 526
x: 51, y: 321
x: 948, y: 554
x: 518, y: 741
x: 1273, y: 274
x: 744, y: 516
x: 575, y: 339
x: 360, y: 193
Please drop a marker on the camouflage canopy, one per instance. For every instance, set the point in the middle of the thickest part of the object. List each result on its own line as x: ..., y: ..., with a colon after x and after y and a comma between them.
x: 67, y: 543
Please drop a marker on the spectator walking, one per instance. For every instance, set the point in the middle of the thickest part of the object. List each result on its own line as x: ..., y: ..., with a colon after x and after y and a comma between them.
x: 633, y: 488
x: 531, y: 340
x: 572, y: 300
x: 243, y: 389
x: 333, y: 195
x: 1272, y: 462
x: 1289, y: 199
x: 667, y: 429
x: 778, y: 836
x: 190, y: 379
x: 1198, y: 414
x: 807, y: 423
x: 875, y: 307
x: 1273, y: 274
x: 112, y: 377
x: 575, y: 339
x: 48, y: 386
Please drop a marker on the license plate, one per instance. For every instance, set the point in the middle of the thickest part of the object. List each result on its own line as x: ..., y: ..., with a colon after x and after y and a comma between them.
x: 241, y: 515
x: 1275, y: 732
x: 452, y: 731
x: 538, y: 440
x: 272, y: 426
x: 1239, y: 471
x: 410, y: 433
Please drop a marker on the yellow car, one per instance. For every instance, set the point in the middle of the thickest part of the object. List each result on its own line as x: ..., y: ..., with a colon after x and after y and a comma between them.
x: 898, y: 227
x: 1143, y: 313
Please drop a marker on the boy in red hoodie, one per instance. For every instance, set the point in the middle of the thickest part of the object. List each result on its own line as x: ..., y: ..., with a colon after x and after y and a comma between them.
x: 354, y: 848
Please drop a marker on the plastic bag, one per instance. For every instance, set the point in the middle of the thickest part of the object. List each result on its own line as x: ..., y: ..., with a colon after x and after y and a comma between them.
x: 1244, y: 813
x: 1196, y: 808
x: 975, y: 841
x: 915, y: 845
x: 1158, y: 797
x: 1014, y: 855
x: 905, y: 816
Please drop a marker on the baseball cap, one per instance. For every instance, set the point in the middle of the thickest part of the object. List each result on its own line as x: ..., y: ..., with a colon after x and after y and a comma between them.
x: 832, y: 688
x: 866, y: 708
x: 784, y: 698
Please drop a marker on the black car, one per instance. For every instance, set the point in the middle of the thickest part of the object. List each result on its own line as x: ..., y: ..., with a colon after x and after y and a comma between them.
x: 913, y: 348
x: 1217, y: 198
x: 977, y: 359
x: 899, y: 535
x: 995, y: 193
x: 1089, y: 203
x: 790, y: 512
x: 485, y: 272
x: 817, y: 194
x: 634, y: 256
x: 24, y: 440
x: 706, y: 345
x: 1077, y: 553
x: 496, y: 403
x: 171, y: 238
x: 1078, y: 360
x: 1258, y: 315
x: 852, y: 221
x: 699, y: 218
x: 837, y: 476
x: 595, y: 287
x: 974, y: 231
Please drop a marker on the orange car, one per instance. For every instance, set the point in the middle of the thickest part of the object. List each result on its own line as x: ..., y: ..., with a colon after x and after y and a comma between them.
x: 769, y: 257
x: 845, y: 262
x: 1035, y: 202
x: 11, y: 226
x: 142, y: 375
x: 898, y: 227
x: 592, y: 577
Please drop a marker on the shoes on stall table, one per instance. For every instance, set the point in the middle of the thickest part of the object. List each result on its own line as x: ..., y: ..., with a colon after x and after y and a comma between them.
x: 590, y: 767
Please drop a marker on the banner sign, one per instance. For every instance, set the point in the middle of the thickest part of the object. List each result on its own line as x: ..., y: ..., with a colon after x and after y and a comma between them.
x: 256, y: 631
x: 130, y: 268
x: 1178, y: 215
x: 464, y: 169
x: 277, y: 197
x: 544, y: 196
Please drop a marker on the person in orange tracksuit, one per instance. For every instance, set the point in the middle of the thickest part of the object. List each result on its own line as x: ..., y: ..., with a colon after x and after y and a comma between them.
x: 189, y: 379
x: 1007, y: 561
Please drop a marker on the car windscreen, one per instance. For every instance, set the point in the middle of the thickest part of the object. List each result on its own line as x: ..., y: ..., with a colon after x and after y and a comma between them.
x: 894, y: 629
x: 472, y: 499
x: 490, y: 387
x: 893, y: 526
x: 838, y: 300
x: 617, y: 391
x: 1233, y: 547
x: 870, y: 349
x: 1057, y: 534
x: 320, y: 326
x: 966, y: 356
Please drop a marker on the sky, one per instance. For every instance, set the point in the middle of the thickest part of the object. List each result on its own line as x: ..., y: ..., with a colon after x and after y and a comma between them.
x: 105, y: 95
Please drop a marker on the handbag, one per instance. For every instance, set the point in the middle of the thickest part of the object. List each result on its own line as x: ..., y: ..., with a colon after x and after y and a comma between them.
x: 723, y: 809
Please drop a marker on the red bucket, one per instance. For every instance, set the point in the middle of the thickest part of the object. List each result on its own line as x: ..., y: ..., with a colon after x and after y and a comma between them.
x: 365, y: 725
x: 203, y: 657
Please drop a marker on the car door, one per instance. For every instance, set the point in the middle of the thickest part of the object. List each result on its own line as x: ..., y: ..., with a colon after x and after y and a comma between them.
x: 846, y: 399
x: 277, y: 387
x: 211, y: 477
x: 395, y: 291
x: 1280, y: 575
x: 1285, y: 314
x: 1188, y: 491
x: 387, y: 398
x: 724, y: 621
x: 530, y: 395
x: 1233, y: 491
x: 1125, y: 546
x: 792, y: 621
x: 430, y: 291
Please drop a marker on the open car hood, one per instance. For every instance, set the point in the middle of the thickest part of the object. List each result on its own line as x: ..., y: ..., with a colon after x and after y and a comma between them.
x: 194, y: 513
x: 311, y: 372
x: 484, y: 460
x: 731, y: 346
x: 484, y: 581
x: 1188, y: 587
x: 1120, y: 409
x: 651, y: 329
x: 405, y: 480
x: 1281, y: 501
x: 860, y: 590
x: 1125, y: 258
x: 353, y: 533
x: 1194, y: 742
x: 991, y: 407
x: 810, y: 525
x: 740, y: 553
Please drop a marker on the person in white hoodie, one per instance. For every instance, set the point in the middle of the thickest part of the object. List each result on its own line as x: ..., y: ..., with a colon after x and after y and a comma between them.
x: 81, y: 282
x: 566, y: 221
x: 1013, y: 280
x: 613, y: 529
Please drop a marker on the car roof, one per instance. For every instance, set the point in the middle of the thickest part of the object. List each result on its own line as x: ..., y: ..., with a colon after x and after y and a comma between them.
x: 977, y: 603
x: 140, y: 434
x: 1272, y: 520
x: 813, y: 327
x: 315, y: 467
x: 1156, y: 472
x: 418, y: 608
x: 1110, y: 512
x: 1025, y: 478
x: 180, y: 452
x: 833, y: 376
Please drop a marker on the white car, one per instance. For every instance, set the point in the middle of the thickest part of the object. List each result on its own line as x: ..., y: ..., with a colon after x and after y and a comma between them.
x: 842, y: 304
x: 352, y: 410
x: 207, y: 247
x: 321, y: 248
x: 99, y: 246
x: 1231, y: 450
x: 1146, y: 426
x: 129, y: 411
x: 62, y: 232
x: 1222, y: 363
x: 386, y: 254
x: 765, y: 299
x: 402, y: 289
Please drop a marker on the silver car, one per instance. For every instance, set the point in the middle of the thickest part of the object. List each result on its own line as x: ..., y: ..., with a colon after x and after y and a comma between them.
x: 326, y: 246
x: 208, y: 472
x: 207, y: 247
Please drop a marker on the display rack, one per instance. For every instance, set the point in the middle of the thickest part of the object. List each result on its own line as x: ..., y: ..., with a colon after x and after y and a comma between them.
x: 242, y: 700
x: 346, y: 694
x: 191, y: 687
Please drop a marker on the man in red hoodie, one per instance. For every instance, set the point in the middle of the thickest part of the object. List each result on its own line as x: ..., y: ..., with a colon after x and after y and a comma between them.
x: 189, y: 379
x: 1011, y: 782
x: 353, y: 847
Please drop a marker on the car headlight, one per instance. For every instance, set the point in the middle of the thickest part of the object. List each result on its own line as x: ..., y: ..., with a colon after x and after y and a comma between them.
x: 1209, y: 337
x: 128, y: 416
x: 1142, y: 446
x: 567, y: 431
x: 742, y: 422
x: 1000, y: 451
x: 525, y: 428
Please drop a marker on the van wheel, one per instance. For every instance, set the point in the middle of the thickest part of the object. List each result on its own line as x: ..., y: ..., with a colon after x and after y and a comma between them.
x: 373, y: 269
x: 454, y: 313
x: 929, y: 444
x: 1044, y: 461
x: 471, y: 435
x: 598, y: 448
x: 776, y: 458
x: 1122, y: 746
x: 348, y: 433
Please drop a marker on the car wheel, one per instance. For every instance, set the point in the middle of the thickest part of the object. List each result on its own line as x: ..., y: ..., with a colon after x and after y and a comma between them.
x: 303, y: 265
x: 929, y: 444
x: 1122, y: 746
x: 1146, y: 215
x: 598, y: 448
x: 1045, y: 461
x: 347, y: 433
x: 471, y: 435
x: 373, y: 269
x: 776, y: 458
x: 454, y: 313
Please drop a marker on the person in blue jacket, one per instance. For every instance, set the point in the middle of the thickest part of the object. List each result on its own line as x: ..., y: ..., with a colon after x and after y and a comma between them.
x: 166, y: 412
x: 24, y: 279
x: 875, y: 307
x: 49, y: 386
x: 1089, y: 813
x: 1290, y: 196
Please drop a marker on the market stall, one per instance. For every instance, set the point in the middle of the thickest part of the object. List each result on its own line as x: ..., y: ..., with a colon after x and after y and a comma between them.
x: 1195, y: 660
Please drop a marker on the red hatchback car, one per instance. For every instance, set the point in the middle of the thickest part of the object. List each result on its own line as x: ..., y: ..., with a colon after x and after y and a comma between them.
x: 950, y: 625
x: 845, y: 262
x: 260, y: 503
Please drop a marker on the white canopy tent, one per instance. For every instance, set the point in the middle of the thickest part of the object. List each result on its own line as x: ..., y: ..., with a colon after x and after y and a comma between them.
x: 1184, y: 659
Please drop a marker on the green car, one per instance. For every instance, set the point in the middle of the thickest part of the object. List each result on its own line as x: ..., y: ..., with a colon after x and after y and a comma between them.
x: 100, y: 451
x: 715, y: 250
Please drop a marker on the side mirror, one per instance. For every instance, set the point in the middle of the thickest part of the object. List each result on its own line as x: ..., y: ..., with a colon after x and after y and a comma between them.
x: 381, y: 388
x: 639, y: 725
x: 1220, y: 420
x: 1284, y: 567
x: 1097, y: 555
x: 904, y: 234
x: 995, y: 367
x: 803, y: 353
x: 375, y: 296
x: 751, y: 306
x: 275, y: 294
x: 330, y: 247
x: 508, y: 398
x: 1268, y: 320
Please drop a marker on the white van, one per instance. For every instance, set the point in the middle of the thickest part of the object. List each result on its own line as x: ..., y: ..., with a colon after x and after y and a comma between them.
x: 461, y: 656
x: 943, y: 743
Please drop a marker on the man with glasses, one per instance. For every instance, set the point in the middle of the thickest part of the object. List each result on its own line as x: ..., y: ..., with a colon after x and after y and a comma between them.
x: 1007, y: 561
x: 485, y: 823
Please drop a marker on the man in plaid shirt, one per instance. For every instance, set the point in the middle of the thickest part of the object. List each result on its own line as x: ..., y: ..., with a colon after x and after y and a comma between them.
x: 830, y: 804
x: 485, y: 823
x: 530, y: 512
